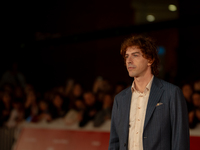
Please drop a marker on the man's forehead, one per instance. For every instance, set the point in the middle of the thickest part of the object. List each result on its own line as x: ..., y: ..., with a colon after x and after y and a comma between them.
x: 133, y: 49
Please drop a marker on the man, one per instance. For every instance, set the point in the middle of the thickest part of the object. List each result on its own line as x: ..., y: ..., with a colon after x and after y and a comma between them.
x: 152, y: 113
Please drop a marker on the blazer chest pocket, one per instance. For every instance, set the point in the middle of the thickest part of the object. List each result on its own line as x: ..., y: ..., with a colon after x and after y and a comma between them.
x: 159, y: 111
x: 159, y: 106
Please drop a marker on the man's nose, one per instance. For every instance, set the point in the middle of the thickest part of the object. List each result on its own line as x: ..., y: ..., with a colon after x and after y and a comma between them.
x: 129, y: 60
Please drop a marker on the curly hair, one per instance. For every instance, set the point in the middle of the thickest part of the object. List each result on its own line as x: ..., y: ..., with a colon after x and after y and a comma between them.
x: 148, y: 49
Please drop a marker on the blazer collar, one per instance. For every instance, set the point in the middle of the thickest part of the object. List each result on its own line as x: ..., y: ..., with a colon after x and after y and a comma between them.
x: 126, y: 109
x: 154, y: 97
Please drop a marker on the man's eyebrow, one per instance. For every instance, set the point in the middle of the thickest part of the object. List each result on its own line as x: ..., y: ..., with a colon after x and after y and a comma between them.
x: 133, y: 53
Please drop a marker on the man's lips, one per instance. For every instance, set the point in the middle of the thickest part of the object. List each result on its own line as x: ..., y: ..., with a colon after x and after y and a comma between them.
x: 130, y: 68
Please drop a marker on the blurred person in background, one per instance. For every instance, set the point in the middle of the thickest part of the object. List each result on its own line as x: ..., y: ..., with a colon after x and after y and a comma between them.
x: 43, y: 112
x: 60, y: 90
x: 68, y: 87
x: 120, y: 86
x: 187, y: 93
x: 57, y: 109
x: 152, y: 113
x: 13, y: 77
x: 197, y: 85
x: 194, y: 115
x: 196, y: 99
x: 98, y: 85
x: 5, y: 107
x: 76, y: 93
x: 18, y: 92
x: 90, y: 108
x: 30, y: 106
x: 107, y: 87
x: 100, y: 88
x: 16, y: 114
x: 8, y: 88
x: 48, y: 95
x: 105, y: 113
x: 28, y: 88
x: 74, y: 115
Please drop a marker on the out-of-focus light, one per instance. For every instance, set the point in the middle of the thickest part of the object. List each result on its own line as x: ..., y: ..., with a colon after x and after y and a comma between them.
x: 150, y: 18
x: 161, y: 50
x: 172, y: 7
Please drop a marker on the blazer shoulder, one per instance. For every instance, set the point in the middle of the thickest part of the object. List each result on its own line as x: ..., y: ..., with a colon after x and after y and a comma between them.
x: 123, y: 92
x: 167, y: 85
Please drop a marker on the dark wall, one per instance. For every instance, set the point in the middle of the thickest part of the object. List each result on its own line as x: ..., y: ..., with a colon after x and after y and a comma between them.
x: 189, y: 37
x: 41, y: 37
x: 53, y: 41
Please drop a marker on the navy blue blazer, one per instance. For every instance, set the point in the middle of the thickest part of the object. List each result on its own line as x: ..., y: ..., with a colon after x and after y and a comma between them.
x: 166, y: 126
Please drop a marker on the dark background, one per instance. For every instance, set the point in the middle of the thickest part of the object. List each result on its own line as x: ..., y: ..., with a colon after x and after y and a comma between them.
x: 53, y: 41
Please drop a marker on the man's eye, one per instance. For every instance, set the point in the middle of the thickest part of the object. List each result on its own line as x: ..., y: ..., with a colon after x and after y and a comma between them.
x: 135, y: 55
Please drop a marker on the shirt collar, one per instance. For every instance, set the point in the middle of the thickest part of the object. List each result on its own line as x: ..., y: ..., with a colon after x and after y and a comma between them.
x: 148, y: 86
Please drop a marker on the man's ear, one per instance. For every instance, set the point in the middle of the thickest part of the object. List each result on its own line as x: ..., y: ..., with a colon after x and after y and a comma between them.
x: 150, y: 62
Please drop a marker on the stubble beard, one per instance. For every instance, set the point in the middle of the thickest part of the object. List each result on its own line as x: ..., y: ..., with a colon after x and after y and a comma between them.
x: 133, y: 74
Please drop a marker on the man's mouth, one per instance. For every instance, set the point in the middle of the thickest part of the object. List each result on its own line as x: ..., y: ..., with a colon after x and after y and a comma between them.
x: 131, y: 67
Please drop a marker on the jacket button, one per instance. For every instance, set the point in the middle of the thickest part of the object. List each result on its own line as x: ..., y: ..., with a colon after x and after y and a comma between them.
x: 124, y: 144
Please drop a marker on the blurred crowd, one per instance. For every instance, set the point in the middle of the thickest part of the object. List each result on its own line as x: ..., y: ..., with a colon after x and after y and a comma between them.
x: 21, y: 102
x: 191, y: 92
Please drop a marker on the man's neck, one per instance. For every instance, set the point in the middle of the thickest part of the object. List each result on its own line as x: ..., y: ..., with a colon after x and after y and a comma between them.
x: 141, y: 82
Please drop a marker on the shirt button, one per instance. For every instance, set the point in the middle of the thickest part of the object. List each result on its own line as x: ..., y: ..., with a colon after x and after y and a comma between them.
x: 136, y: 132
x: 138, y: 119
x: 138, y: 107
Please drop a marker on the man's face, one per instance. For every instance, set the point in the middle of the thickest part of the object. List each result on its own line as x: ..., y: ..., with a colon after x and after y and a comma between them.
x: 136, y: 64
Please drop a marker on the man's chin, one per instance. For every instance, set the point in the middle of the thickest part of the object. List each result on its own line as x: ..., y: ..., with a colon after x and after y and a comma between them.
x: 132, y: 75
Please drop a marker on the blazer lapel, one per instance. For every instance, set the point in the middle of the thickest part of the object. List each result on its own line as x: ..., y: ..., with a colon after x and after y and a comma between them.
x: 154, y: 98
x: 126, y: 109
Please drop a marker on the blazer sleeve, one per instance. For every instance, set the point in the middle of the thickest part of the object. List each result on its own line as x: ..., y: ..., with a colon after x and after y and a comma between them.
x: 179, y: 121
x: 114, y: 138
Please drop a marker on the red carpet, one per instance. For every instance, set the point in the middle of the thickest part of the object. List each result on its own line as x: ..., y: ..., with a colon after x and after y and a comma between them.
x: 194, y: 143
x: 56, y: 139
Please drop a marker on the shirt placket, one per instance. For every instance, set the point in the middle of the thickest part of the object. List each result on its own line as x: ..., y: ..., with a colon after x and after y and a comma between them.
x: 132, y: 122
x: 138, y: 119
